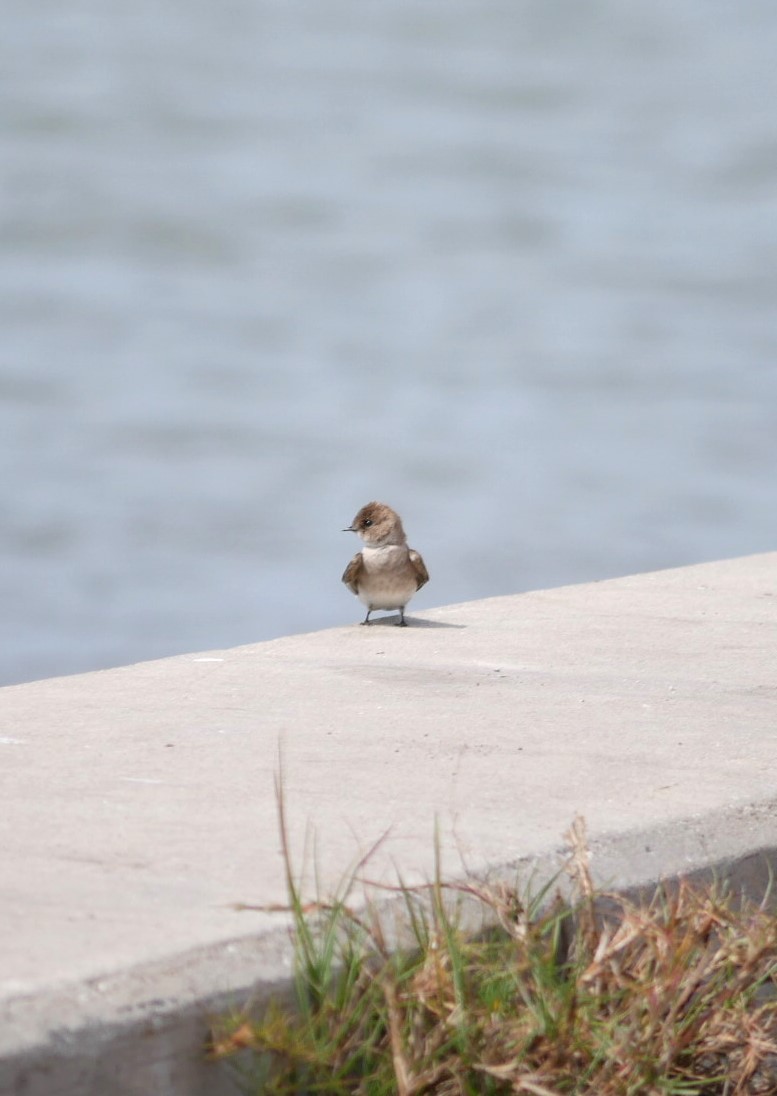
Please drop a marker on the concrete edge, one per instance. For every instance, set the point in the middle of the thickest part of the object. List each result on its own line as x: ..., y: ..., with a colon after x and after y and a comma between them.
x: 139, y: 1034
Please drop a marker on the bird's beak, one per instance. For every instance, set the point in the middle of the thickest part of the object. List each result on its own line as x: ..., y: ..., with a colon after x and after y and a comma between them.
x: 350, y: 529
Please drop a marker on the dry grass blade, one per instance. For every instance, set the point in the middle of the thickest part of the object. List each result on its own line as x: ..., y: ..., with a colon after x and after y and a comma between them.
x: 526, y: 1084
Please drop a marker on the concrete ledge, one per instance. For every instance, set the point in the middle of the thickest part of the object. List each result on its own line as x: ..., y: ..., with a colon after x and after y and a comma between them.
x: 138, y: 804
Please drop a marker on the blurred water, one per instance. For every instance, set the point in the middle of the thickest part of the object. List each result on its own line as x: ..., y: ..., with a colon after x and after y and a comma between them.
x: 508, y: 266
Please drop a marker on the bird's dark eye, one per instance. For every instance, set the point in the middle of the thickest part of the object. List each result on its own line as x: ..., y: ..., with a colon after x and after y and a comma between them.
x: 366, y: 522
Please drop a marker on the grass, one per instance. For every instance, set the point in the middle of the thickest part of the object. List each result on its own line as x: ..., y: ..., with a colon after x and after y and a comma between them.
x: 592, y: 994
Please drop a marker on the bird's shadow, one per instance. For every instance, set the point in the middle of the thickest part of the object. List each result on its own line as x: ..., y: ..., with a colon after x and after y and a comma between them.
x: 412, y: 622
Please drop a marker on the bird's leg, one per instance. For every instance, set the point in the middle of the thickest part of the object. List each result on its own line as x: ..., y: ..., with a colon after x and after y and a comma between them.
x: 401, y: 623
x: 367, y: 618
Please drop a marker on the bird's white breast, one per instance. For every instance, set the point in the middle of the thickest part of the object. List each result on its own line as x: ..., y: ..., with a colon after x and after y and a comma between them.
x: 388, y: 580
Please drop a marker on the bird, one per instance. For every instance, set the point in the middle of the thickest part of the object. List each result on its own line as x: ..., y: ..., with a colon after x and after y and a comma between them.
x: 385, y: 574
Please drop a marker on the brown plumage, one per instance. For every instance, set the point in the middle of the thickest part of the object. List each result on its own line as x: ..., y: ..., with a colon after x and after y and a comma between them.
x: 386, y: 573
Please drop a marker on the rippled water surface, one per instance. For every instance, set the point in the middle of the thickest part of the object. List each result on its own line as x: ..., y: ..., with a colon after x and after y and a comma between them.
x: 510, y: 267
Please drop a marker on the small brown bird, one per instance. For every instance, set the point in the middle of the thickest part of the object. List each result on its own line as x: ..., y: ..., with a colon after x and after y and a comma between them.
x: 386, y: 573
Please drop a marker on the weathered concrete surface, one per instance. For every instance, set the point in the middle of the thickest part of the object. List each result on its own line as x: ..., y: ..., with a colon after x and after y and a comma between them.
x: 137, y: 805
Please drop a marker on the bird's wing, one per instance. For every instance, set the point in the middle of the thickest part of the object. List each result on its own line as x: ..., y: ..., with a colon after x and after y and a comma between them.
x: 353, y: 572
x: 421, y: 573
